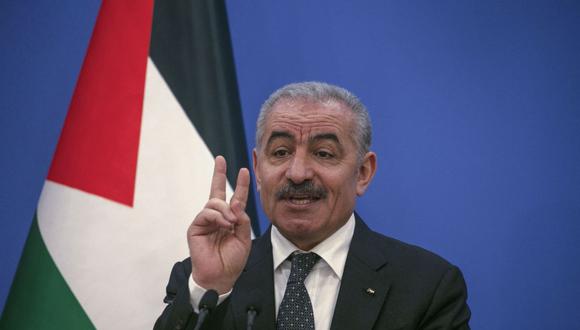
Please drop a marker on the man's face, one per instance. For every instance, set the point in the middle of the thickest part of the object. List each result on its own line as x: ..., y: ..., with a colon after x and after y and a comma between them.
x: 307, y: 170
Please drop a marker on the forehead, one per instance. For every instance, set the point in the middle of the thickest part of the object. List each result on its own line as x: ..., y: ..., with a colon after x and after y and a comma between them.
x: 304, y: 117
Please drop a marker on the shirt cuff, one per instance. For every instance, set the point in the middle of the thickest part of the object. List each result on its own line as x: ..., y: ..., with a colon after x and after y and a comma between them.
x: 196, y: 292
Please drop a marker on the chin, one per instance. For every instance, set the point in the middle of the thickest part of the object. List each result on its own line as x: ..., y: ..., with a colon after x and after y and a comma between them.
x: 297, y: 227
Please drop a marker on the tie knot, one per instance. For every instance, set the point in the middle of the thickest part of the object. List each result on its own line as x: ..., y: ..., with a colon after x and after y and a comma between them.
x: 302, y: 264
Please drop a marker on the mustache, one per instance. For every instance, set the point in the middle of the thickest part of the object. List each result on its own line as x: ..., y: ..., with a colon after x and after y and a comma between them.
x: 306, y: 188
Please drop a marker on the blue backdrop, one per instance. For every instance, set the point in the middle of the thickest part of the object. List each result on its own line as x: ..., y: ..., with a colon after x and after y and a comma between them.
x: 43, y: 47
x: 476, y: 111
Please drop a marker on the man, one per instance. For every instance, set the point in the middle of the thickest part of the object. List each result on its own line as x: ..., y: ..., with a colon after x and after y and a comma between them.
x: 318, y: 265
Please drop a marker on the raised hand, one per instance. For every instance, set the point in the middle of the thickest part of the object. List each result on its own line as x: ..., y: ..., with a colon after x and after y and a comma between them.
x: 219, y: 236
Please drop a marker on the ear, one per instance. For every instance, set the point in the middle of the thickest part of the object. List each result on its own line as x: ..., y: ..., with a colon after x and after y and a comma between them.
x: 366, y: 172
x: 256, y: 170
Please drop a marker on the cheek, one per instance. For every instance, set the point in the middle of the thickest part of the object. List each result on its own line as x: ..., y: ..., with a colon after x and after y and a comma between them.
x: 340, y: 185
x: 268, y: 184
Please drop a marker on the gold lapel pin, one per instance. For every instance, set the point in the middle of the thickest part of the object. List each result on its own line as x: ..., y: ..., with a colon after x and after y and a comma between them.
x: 370, y: 291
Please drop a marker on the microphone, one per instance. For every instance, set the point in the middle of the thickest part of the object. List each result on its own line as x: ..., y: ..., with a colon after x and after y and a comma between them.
x: 206, y: 306
x: 253, y: 309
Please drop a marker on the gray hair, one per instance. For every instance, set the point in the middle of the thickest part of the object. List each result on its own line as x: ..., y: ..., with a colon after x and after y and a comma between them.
x: 319, y: 92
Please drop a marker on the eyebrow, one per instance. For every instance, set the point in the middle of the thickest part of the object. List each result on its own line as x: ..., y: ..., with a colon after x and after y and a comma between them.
x: 279, y: 135
x: 318, y: 137
x: 325, y: 136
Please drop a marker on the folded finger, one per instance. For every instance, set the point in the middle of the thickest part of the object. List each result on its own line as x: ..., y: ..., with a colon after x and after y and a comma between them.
x: 222, y: 207
x: 209, y: 221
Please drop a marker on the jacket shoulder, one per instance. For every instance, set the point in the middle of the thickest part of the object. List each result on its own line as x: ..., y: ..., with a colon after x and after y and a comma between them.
x: 402, y: 254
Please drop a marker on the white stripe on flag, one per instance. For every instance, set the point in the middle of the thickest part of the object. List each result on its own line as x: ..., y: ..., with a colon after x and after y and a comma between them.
x: 117, y: 259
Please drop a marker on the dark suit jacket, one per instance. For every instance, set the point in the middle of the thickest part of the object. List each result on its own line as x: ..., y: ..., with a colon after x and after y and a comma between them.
x: 386, y: 284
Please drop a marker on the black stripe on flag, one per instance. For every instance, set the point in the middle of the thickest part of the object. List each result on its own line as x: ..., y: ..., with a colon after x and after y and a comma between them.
x: 191, y: 47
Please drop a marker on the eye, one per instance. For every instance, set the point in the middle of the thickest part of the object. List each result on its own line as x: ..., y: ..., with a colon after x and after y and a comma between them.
x: 323, y: 154
x: 280, y: 153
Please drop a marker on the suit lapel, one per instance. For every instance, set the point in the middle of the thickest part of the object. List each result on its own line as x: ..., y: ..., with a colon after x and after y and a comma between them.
x: 256, y: 287
x: 362, y: 292
x: 363, y: 287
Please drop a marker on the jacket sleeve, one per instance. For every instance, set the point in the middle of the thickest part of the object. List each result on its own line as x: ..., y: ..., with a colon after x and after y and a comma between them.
x: 178, y: 314
x: 448, y: 308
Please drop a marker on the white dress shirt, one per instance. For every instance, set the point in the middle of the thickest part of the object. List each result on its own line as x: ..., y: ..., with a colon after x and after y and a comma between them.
x: 323, y: 282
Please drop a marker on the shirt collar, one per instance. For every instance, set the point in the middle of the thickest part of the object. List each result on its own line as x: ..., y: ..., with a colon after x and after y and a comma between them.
x: 332, y: 250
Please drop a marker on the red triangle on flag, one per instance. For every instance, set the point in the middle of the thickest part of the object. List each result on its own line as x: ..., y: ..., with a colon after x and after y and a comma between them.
x: 98, y: 146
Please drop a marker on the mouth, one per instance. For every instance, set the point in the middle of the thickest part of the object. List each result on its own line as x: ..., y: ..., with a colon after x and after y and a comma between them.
x: 302, y: 200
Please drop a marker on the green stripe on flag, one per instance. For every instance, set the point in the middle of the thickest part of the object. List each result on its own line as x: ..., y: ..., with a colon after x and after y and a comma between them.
x: 39, y: 297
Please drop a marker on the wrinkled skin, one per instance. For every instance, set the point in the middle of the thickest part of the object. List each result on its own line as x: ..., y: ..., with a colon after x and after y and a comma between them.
x: 310, y: 142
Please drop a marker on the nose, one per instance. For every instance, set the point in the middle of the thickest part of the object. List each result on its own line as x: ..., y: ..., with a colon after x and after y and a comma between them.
x: 299, y: 168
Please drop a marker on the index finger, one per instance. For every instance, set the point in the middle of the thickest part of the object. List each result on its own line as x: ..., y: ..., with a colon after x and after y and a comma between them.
x: 242, y: 187
x: 219, y: 179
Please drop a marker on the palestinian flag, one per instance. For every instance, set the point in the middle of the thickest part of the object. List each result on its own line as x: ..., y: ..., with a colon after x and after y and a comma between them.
x: 155, y: 101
